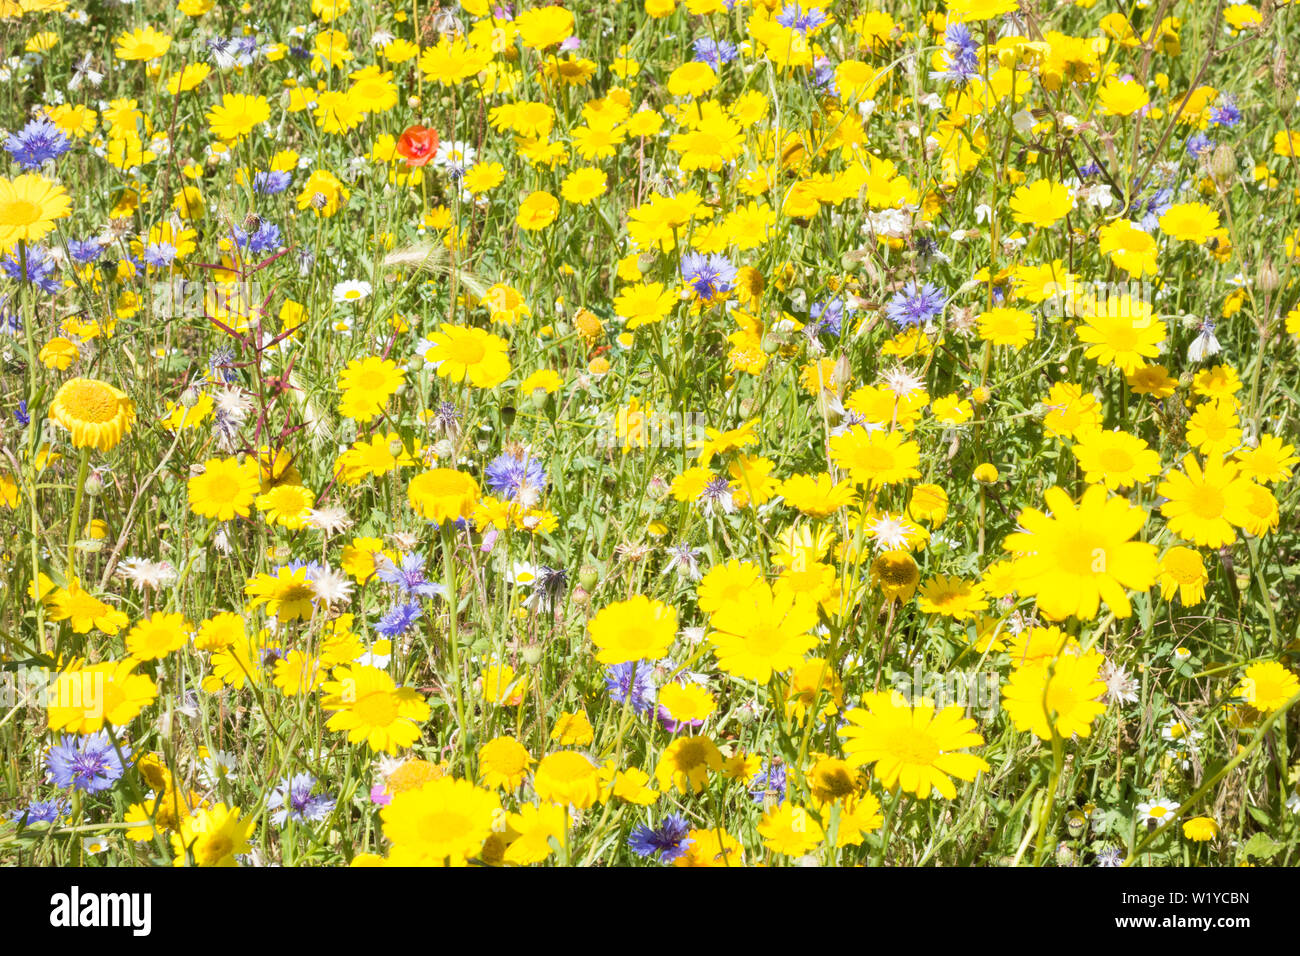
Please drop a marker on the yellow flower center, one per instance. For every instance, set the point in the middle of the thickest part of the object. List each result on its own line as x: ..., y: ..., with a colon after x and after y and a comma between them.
x: 212, y: 850
x: 223, y: 489
x: 376, y: 709
x: 90, y: 402
x: 1116, y: 461
x: 913, y: 746
x: 690, y: 756
x: 19, y: 212
x: 443, y: 826
x: 1206, y: 502
x: 466, y: 350
x: 1080, y: 554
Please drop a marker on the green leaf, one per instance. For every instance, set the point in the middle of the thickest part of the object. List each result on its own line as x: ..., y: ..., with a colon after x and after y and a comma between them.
x: 1261, y: 846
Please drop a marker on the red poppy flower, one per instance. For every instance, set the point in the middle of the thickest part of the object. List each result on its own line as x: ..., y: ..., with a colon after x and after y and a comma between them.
x: 417, y: 145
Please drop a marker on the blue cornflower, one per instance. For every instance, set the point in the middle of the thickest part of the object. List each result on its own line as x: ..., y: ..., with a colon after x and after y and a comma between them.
x: 37, y: 143
x: 219, y: 365
x: 669, y: 840
x: 40, y: 811
x: 713, y: 52
x: 828, y: 317
x: 618, y: 677
x: 408, y: 576
x: 400, y: 619
x: 796, y: 18
x: 232, y: 51
x: 958, y: 38
x: 1226, y: 115
x: 160, y: 255
x: 86, y: 251
x: 915, y: 304
x: 710, y: 275
x: 717, y: 494
x: 21, y: 413
x: 89, y: 763
x: 1198, y: 144
x: 824, y: 76
x: 1156, y: 207
x: 271, y: 183
x: 40, y: 269
x: 516, y: 478
x: 960, y: 57
x: 266, y: 238
x: 770, y: 781
x: 293, y: 799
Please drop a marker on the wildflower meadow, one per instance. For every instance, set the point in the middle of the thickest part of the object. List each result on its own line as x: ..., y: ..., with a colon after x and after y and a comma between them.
x: 649, y: 433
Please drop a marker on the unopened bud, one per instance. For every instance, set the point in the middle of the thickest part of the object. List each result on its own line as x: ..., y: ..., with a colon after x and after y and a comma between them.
x: 588, y: 576
x: 413, y: 101
x: 540, y: 398
x: 94, y: 485
x: 507, y: 415
x: 531, y: 654
x: 1223, y: 164
x: 1267, y: 279
x: 190, y: 397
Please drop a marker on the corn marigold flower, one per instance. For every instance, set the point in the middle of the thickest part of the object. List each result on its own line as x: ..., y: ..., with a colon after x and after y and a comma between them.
x: 96, y: 414
x: 567, y: 778
x: 469, y: 354
x: 213, y: 836
x: 1267, y: 686
x: 369, y: 706
x: 82, y: 698
x: 911, y: 746
x: 765, y: 630
x: 443, y: 494
x: 1056, y: 695
x: 633, y: 630
x: 1082, y: 554
x: 687, y: 762
x: 1203, y: 503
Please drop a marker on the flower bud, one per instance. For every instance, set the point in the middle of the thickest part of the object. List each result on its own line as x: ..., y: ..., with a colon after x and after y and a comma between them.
x: 1267, y: 279
x: 1223, y: 164
x: 540, y: 398
x: 94, y: 485
x: 986, y: 473
x: 588, y: 576
x: 531, y: 654
x: 190, y: 397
